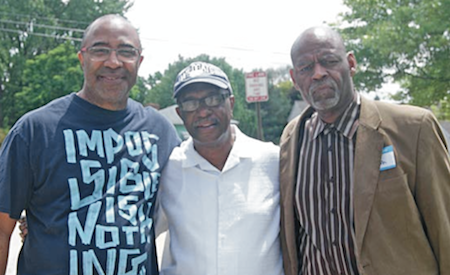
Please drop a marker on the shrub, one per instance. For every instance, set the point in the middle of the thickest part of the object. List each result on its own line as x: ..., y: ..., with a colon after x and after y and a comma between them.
x: 3, y: 133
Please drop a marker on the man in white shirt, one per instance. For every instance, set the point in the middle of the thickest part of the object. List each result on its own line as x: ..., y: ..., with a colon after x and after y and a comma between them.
x: 219, y: 192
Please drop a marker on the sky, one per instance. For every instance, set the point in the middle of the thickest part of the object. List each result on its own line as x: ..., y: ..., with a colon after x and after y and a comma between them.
x: 249, y: 34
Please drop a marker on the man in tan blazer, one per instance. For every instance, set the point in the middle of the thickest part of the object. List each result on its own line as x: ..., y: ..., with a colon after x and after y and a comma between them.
x: 365, y: 185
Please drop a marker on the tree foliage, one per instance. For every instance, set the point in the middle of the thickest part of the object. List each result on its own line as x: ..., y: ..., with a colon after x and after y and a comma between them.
x: 49, y: 76
x: 31, y: 28
x: 274, y: 112
x: 3, y: 133
x: 405, y: 41
x: 442, y: 110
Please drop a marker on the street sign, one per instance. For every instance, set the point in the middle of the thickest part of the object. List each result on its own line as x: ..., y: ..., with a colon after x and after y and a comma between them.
x: 256, y: 87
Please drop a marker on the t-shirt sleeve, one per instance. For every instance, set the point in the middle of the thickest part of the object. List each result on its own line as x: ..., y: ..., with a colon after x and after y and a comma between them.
x: 15, y: 174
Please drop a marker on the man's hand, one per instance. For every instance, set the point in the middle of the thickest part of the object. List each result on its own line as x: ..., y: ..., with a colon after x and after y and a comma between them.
x: 6, y: 228
x: 23, y: 226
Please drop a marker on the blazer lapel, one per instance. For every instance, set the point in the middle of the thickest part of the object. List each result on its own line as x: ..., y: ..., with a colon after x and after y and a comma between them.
x: 369, y: 144
x: 288, y: 179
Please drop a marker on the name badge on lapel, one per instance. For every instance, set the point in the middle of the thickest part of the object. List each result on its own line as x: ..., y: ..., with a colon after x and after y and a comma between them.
x: 387, y: 158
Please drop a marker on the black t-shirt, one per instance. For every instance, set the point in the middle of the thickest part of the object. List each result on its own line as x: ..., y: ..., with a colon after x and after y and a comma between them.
x: 87, y: 178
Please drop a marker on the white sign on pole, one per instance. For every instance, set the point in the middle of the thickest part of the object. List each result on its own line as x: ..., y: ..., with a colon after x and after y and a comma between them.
x: 256, y: 87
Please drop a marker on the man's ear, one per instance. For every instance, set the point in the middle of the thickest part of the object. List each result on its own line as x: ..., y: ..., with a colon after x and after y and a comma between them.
x: 140, y: 61
x: 179, y: 112
x: 231, y: 104
x: 81, y: 58
x: 291, y: 72
x: 351, y: 63
x: 232, y: 101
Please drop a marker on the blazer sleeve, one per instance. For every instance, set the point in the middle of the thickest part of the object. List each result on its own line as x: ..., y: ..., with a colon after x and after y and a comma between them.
x: 433, y: 189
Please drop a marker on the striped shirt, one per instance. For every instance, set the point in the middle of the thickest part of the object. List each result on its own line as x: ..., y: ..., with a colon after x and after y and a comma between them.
x: 324, y: 201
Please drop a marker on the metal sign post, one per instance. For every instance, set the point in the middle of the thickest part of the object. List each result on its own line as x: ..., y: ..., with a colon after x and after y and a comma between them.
x: 256, y: 91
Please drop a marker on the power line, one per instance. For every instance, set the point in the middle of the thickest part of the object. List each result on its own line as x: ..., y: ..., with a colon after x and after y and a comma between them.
x: 31, y: 24
x: 9, y: 14
x: 41, y: 34
x: 234, y: 48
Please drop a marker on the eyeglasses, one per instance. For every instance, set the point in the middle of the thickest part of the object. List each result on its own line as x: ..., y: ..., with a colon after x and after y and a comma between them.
x: 214, y: 100
x: 128, y: 54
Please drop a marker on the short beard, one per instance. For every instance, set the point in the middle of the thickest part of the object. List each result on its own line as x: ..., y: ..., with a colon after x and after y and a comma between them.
x: 326, y: 103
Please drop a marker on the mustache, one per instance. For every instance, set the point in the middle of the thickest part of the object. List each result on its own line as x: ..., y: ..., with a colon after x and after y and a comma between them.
x: 204, y: 121
x: 326, y: 82
x: 112, y: 71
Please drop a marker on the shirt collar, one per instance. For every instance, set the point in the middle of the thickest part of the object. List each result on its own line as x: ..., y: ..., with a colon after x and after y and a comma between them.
x: 238, y: 151
x: 346, y: 124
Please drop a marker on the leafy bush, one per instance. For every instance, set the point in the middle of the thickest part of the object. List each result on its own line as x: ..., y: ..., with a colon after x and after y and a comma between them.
x: 3, y: 133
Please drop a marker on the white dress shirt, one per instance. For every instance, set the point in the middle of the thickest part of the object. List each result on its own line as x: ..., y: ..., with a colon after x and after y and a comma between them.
x: 221, y: 222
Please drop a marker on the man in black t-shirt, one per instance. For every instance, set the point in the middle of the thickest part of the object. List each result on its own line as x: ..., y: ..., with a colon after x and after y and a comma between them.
x: 86, y: 168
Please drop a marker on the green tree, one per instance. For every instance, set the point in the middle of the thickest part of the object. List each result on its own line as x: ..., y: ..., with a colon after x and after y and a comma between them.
x: 31, y: 28
x: 275, y: 111
x: 140, y: 92
x: 49, y: 76
x: 442, y: 110
x: 3, y: 133
x: 405, y: 41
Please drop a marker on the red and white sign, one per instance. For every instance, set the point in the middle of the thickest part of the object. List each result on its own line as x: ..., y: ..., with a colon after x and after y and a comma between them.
x: 256, y: 87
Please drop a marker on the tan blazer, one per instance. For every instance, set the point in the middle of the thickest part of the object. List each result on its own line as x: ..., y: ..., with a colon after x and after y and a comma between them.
x: 402, y: 215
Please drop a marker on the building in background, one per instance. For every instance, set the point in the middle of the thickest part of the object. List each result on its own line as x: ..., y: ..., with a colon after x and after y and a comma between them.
x: 171, y: 114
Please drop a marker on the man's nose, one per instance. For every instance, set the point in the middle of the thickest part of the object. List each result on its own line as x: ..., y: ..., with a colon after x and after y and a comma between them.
x: 203, y: 109
x: 113, y: 60
x: 319, y: 71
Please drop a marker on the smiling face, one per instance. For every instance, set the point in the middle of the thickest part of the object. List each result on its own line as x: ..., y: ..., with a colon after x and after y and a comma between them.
x: 323, y: 72
x: 107, y: 83
x: 208, y: 126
